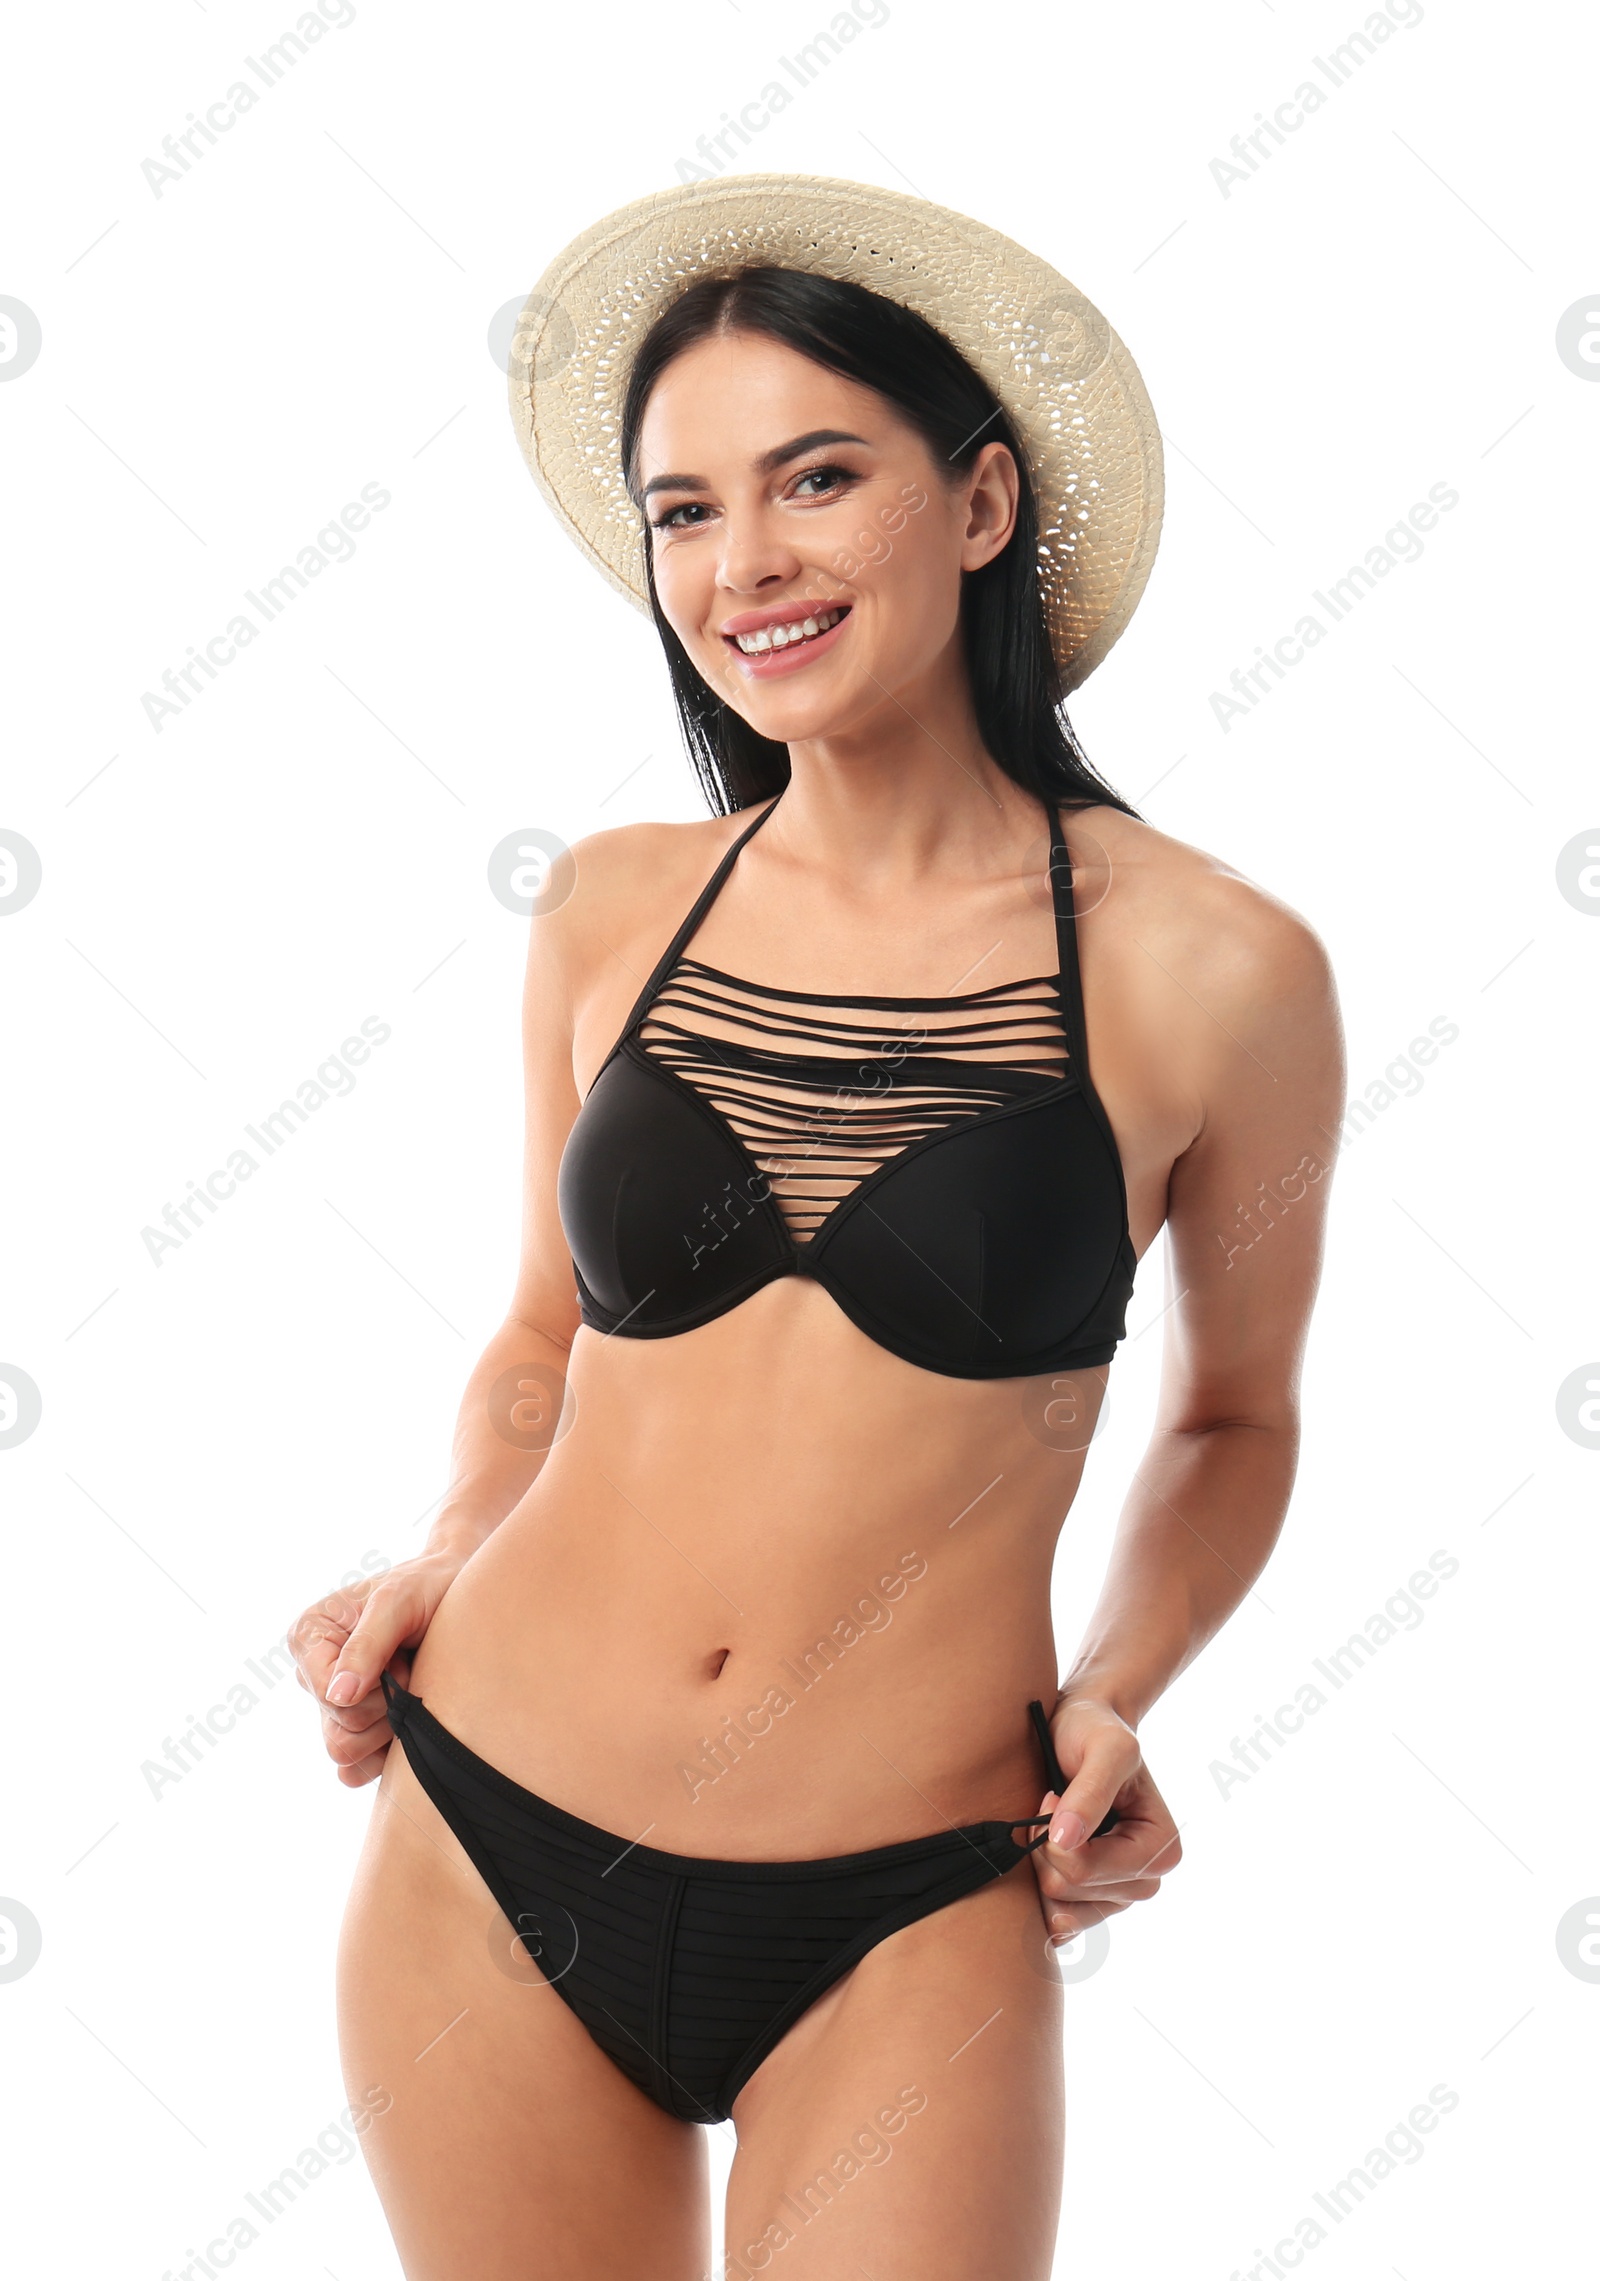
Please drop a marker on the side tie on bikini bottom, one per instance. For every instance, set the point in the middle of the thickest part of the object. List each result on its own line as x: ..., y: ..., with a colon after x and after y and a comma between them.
x: 1054, y: 1776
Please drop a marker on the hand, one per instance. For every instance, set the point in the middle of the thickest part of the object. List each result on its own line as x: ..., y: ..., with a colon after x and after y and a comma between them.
x: 1082, y: 1879
x: 342, y: 1643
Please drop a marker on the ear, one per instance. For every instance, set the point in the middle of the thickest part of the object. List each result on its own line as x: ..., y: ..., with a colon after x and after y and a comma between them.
x: 991, y: 505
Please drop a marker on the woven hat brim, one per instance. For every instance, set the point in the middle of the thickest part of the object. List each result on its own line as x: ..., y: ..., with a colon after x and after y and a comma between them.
x: 1067, y: 382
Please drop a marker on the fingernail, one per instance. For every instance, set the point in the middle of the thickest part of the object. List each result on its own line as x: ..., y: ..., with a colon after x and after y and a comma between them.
x: 1068, y: 1831
x: 343, y: 1687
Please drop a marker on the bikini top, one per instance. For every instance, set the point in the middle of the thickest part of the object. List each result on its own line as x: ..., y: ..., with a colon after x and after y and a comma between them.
x: 941, y: 1166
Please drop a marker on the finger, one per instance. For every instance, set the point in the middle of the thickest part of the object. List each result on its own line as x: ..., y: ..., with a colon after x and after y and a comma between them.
x: 1047, y: 1806
x: 1056, y: 1890
x: 317, y: 1637
x: 1096, y: 1868
x: 1068, y: 1917
x: 1119, y: 1896
x: 1063, y: 1925
x: 1142, y: 1841
x: 1082, y: 1907
x: 1050, y: 1804
x: 1165, y: 1854
x: 1064, y: 1874
x: 1083, y: 1806
x: 348, y: 1746
x: 365, y: 1770
x: 387, y: 1618
x: 1082, y: 1868
x: 1064, y: 1915
x: 371, y: 1711
x: 347, y: 1732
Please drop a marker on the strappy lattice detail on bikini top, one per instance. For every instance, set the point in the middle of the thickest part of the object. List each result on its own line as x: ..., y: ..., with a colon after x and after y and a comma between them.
x: 942, y: 1166
x: 854, y: 1081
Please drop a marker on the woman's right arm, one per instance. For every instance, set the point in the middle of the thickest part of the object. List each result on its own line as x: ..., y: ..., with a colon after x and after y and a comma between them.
x: 342, y: 1643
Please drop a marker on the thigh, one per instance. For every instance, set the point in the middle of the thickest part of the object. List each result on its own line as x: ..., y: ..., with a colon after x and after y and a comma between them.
x: 910, y: 2126
x: 508, y: 2147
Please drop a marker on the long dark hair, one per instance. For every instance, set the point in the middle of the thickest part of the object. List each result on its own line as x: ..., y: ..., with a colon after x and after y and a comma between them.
x: 1016, y: 684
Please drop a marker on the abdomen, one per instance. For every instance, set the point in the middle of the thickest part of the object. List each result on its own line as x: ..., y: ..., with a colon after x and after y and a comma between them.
x: 776, y: 1593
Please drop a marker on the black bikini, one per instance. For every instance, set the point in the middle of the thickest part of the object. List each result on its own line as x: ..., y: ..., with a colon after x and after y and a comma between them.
x: 961, y: 1198
x: 687, y: 1972
x: 959, y: 1194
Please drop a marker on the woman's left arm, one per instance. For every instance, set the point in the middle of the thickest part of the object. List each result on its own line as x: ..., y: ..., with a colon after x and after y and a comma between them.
x: 1246, y: 1208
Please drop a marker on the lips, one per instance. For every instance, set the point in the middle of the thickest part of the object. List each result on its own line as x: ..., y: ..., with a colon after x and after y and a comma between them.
x: 770, y: 645
x: 784, y: 633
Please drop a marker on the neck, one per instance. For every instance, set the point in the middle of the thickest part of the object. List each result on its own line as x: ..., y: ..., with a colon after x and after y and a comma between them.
x: 906, y: 787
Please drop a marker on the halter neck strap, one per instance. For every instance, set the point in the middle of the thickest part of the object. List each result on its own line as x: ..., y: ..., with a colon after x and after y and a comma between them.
x: 702, y: 903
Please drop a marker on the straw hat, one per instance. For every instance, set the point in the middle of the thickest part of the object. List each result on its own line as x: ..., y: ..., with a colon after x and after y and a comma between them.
x: 1071, y: 389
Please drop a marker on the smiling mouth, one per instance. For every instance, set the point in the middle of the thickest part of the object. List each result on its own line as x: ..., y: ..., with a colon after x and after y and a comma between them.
x: 792, y: 636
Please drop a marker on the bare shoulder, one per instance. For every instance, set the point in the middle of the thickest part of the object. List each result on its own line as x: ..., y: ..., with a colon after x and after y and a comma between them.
x: 1238, y: 947
x: 626, y: 891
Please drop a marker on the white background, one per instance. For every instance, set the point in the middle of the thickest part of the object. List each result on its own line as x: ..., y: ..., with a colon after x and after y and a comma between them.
x: 1373, y: 311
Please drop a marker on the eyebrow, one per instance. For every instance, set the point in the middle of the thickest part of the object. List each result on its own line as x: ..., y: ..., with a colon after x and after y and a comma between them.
x: 767, y: 464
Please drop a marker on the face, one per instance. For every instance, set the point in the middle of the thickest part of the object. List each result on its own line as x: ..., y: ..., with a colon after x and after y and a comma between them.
x: 808, y: 550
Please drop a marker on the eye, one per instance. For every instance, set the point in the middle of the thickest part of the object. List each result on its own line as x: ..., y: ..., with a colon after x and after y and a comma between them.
x: 828, y: 478
x: 669, y: 520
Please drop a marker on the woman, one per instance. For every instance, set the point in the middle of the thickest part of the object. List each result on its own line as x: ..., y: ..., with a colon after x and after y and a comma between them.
x: 848, y: 1113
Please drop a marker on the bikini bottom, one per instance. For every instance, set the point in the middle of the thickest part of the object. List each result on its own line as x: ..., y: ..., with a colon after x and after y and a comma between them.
x: 687, y: 1973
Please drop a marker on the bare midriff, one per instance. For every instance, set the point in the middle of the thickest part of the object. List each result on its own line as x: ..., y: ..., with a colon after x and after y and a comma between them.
x: 775, y: 1594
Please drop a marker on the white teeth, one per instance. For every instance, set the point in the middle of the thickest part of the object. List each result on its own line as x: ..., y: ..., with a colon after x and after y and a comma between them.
x: 779, y: 637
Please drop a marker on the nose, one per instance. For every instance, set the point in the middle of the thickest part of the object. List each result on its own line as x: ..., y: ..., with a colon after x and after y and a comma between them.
x: 755, y: 556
